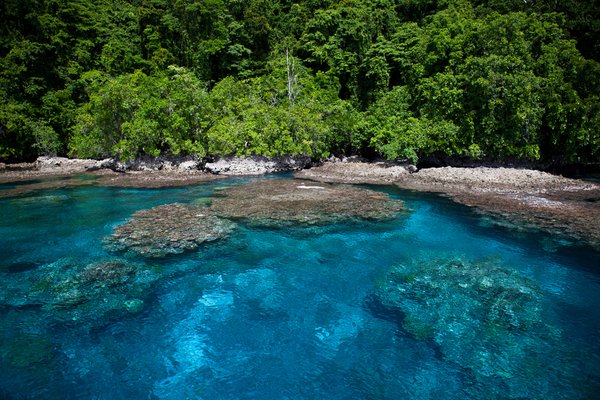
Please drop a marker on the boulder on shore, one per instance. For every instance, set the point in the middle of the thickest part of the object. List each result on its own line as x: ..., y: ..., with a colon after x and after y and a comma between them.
x: 238, y: 166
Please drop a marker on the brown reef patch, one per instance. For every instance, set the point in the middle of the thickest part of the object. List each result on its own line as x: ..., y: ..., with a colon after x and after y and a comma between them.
x: 281, y: 201
x: 520, y: 199
x: 168, y: 229
x: 380, y: 173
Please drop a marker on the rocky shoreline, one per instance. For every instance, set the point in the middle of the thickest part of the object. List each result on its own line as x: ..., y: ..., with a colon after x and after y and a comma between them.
x: 515, y: 198
x: 518, y: 198
x: 230, y: 166
x: 58, y: 172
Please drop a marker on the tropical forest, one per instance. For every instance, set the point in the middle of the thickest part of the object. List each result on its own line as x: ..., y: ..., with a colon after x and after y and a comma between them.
x: 395, y: 79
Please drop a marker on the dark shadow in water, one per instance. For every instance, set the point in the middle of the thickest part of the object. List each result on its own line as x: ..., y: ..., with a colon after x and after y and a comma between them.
x: 378, y: 310
x: 21, y: 266
x: 374, y: 307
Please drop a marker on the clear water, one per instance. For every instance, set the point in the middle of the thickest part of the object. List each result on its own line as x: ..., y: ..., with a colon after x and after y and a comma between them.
x: 272, y: 313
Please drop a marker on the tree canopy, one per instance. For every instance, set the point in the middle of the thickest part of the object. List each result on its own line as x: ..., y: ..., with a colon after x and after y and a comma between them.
x: 402, y: 79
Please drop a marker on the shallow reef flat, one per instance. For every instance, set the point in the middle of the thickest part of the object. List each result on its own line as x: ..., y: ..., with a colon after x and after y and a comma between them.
x: 168, y: 229
x: 30, y: 183
x: 510, y: 197
x: 520, y: 199
x: 354, y: 171
x: 153, y: 179
x: 176, y: 228
x: 293, y: 201
x: 491, y: 321
x: 34, y: 184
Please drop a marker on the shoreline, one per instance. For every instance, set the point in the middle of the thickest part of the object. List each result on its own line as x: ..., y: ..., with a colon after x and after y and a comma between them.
x: 514, y: 198
x: 510, y: 197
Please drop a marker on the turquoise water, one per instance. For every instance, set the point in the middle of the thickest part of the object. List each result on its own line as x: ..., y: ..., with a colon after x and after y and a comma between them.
x: 283, y: 313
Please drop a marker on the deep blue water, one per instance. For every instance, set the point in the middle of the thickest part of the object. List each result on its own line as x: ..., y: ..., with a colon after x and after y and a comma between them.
x: 273, y: 313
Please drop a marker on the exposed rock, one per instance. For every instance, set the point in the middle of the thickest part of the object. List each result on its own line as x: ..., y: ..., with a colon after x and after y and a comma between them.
x: 159, y: 164
x: 154, y: 179
x: 47, y: 166
x: 486, y: 318
x: 106, y: 164
x: 191, y: 165
x: 105, y: 177
x: 520, y: 199
x: 67, y: 165
x: 256, y: 165
x: 49, y: 169
x: 147, y: 172
x: 168, y: 229
x: 485, y: 179
x: 42, y: 168
x: 276, y: 201
x: 239, y: 166
x: 354, y: 171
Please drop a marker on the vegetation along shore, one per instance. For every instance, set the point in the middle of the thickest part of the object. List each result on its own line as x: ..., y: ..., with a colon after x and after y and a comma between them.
x: 475, y: 79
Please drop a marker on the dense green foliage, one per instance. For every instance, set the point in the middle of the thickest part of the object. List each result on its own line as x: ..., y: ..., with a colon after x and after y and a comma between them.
x: 396, y: 78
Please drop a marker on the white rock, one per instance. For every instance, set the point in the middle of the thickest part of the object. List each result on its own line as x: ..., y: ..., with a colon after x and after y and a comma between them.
x: 188, y: 166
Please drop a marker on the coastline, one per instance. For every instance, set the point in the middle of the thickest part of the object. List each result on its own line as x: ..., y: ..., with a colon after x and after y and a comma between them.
x: 516, y: 198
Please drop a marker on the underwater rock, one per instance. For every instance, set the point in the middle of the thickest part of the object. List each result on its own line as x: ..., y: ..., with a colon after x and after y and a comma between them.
x: 485, y: 318
x: 106, y: 274
x: 277, y: 201
x: 168, y: 229
x: 134, y: 306
x: 107, y: 288
x: 68, y: 291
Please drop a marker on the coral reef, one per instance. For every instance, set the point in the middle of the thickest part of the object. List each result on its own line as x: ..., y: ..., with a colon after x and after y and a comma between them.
x: 519, y: 199
x: 69, y: 291
x: 511, y: 197
x: 279, y: 201
x: 168, y: 229
x: 486, y: 318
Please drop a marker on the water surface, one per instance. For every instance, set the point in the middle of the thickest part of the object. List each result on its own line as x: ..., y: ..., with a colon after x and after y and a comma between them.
x: 274, y: 313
